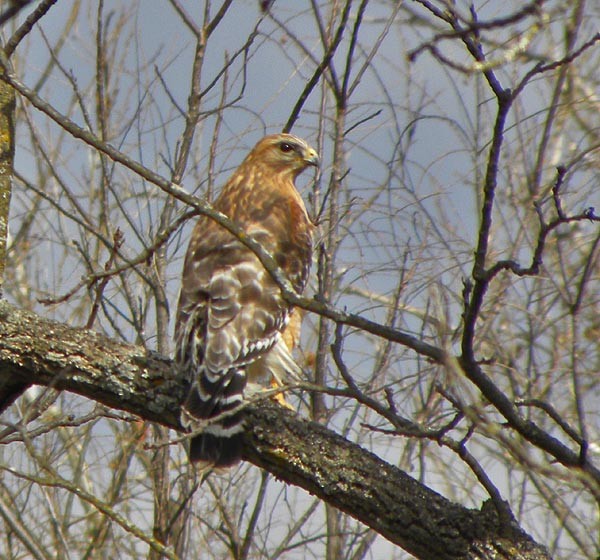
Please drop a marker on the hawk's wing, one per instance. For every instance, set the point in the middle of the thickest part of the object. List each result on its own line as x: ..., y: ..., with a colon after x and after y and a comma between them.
x: 230, y: 313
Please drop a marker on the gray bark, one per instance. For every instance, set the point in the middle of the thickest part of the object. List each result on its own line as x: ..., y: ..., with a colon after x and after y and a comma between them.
x: 34, y: 350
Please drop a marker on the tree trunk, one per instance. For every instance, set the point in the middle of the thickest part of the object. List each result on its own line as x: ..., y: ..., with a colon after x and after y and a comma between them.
x: 10, y: 388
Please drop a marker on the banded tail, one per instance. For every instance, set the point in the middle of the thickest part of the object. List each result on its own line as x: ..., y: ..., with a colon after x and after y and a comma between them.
x: 210, y: 405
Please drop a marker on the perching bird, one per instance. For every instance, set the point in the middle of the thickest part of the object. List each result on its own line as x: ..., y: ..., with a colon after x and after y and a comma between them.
x: 231, y: 313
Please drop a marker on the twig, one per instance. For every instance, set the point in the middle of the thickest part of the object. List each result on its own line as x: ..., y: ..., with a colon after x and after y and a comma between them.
x: 541, y: 68
x: 545, y: 229
x: 475, y: 27
x: 12, y: 518
x: 363, y: 121
x: 481, y: 277
x: 118, y: 240
x: 325, y: 61
x: 40, y: 11
x: 55, y: 481
x: 143, y: 257
x: 13, y: 10
x: 552, y: 412
x: 389, y: 413
x: 185, y: 17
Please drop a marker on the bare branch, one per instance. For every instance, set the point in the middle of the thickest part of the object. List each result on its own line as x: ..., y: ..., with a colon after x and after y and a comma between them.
x: 13, y: 10
x: 323, y: 65
x: 341, y: 473
x: 40, y: 11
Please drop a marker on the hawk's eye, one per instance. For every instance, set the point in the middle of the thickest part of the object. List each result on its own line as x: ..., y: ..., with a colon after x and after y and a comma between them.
x: 285, y: 147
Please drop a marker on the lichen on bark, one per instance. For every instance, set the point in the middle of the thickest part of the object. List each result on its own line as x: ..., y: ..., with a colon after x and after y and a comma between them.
x: 7, y: 156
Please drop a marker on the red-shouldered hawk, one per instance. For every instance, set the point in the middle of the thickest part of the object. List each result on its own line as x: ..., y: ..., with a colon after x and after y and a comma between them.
x: 231, y: 313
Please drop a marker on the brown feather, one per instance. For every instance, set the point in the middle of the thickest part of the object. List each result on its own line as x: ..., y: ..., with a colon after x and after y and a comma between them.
x: 231, y: 312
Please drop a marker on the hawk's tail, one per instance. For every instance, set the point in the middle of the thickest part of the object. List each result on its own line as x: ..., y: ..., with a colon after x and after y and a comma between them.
x: 211, y: 406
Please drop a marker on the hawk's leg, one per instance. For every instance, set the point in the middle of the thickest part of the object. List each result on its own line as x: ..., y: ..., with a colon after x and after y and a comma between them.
x: 255, y: 390
x: 279, y: 397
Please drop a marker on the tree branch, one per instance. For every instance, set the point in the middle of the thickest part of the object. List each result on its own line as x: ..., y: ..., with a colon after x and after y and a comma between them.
x: 34, y: 350
x: 203, y: 208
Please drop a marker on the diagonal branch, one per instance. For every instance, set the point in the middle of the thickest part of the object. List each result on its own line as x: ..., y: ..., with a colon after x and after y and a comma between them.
x: 406, y: 512
x: 203, y: 208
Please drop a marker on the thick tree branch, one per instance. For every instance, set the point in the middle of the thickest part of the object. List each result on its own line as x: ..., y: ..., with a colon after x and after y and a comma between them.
x: 34, y: 350
x: 37, y: 351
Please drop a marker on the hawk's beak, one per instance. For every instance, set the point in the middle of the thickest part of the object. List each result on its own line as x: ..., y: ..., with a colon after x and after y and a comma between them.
x: 311, y: 157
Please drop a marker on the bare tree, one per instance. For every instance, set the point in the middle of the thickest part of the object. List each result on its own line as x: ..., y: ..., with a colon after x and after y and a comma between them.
x: 450, y: 331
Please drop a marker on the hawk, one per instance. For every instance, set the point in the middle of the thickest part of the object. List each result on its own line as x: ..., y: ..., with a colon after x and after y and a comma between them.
x: 231, y: 314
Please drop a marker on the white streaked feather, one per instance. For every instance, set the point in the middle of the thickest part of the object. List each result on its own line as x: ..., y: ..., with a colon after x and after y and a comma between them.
x: 219, y: 431
x: 278, y: 363
x: 237, y: 398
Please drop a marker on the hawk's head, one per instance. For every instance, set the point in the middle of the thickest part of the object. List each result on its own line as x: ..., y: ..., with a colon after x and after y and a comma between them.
x: 284, y: 154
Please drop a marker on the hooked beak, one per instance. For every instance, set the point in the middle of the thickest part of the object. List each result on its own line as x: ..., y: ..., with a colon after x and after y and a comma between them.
x: 311, y: 157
